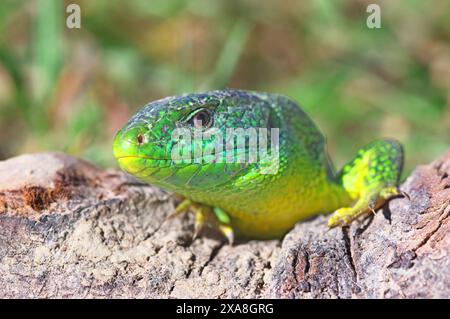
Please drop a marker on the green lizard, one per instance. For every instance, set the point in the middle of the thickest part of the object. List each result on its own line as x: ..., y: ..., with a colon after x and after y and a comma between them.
x: 259, y: 198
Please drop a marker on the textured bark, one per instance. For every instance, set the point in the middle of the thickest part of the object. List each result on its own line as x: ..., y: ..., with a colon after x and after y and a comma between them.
x: 69, y: 229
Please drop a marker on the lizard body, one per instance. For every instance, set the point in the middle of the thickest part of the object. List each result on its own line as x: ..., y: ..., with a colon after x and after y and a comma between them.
x: 257, y: 204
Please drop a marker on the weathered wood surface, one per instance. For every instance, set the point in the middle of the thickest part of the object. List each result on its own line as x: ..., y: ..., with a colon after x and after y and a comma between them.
x: 69, y: 229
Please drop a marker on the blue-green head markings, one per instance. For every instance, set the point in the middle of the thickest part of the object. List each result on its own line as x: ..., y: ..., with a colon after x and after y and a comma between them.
x: 160, y: 143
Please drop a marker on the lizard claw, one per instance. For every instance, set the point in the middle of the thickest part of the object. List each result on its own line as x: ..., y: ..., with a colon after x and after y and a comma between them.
x: 228, y: 232
x: 405, y: 194
x: 201, y: 217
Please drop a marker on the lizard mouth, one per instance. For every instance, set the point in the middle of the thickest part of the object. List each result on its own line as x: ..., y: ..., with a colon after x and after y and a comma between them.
x: 142, y: 166
x: 142, y: 156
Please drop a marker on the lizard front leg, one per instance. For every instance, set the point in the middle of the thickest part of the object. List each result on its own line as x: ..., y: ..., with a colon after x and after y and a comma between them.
x: 371, y: 179
x: 206, y: 216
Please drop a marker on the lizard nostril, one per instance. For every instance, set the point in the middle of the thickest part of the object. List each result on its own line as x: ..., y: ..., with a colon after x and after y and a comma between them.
x: 140, y: 139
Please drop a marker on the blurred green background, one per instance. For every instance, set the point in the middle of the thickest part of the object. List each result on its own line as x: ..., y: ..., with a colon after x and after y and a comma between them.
x: 71, y: 89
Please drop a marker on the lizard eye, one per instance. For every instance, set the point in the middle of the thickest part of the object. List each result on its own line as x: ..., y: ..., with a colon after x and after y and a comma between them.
x: 201, y: 119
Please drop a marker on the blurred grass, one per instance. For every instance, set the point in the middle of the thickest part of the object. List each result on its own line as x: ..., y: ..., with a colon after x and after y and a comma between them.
x: 70, y: 90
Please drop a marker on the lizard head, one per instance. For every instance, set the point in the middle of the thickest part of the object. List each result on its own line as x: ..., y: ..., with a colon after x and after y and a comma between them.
x: 182, y: 142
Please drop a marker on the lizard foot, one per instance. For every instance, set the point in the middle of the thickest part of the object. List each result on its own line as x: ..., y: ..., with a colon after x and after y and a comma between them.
x: 370, y: 179
x: 345, y: 215
x: 206, y: 216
